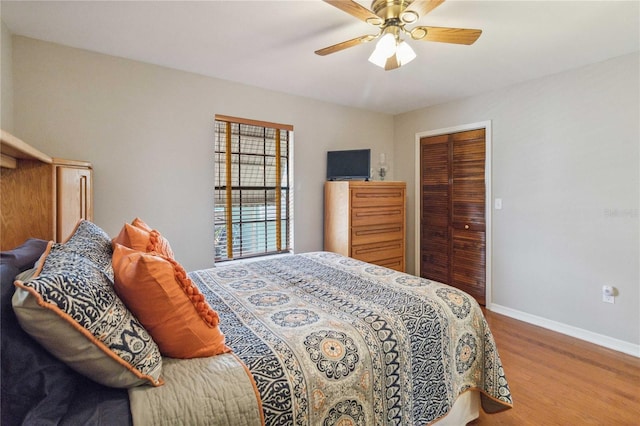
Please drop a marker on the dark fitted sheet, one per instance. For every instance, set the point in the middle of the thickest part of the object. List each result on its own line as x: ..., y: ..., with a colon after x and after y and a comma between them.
x: 37, y: 388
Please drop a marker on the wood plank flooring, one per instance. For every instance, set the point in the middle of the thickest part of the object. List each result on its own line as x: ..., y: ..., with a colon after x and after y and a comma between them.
x: 559, y: 380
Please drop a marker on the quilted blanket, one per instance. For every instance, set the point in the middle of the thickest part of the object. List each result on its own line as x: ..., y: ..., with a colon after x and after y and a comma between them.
x: 331, y: 340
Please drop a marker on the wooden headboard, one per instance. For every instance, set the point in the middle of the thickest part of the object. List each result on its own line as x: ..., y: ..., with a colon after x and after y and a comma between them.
x: 41, y: 197
x: 13, y: 149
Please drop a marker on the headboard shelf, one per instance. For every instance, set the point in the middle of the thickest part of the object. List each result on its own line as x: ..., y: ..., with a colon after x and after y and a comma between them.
x: 13, y: 148
x: 42, y: 197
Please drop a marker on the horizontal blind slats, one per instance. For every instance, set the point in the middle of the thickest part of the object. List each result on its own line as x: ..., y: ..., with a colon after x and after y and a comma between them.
x: 250, y: 152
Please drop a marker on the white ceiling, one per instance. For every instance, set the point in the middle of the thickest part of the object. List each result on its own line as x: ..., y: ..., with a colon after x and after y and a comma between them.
x: 270, y: 44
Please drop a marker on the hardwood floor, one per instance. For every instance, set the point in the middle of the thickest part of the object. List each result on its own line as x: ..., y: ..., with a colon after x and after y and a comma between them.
x: 559, y: 380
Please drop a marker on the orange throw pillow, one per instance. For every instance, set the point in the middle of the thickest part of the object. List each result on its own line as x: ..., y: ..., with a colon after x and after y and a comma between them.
x: 139, y: 223
x: 167, y: 303
x: 139, y: 236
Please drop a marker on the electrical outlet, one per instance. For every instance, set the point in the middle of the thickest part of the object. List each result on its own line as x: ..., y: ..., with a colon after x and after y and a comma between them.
x: 608, y: 294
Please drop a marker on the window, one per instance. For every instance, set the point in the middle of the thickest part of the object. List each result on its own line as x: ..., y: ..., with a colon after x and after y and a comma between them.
x: 253, y: 196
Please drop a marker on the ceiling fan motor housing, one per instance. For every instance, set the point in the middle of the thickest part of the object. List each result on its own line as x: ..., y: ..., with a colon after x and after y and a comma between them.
x: 393, y: 9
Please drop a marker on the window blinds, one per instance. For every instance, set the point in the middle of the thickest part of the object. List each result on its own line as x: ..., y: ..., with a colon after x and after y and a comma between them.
x: 252, y: 193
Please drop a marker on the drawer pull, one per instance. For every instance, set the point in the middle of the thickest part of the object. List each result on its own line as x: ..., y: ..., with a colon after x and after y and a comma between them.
x: 364, y: 232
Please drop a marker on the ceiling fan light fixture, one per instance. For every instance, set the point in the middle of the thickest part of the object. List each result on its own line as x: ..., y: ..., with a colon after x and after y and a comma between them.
x: 387, y: 45
x: 405, y: 53
x: 385, y: 48
x: 391, y: 53
x: 377, y: 58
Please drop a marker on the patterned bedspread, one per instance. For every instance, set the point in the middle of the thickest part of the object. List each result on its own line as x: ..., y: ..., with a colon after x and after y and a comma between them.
x: 330, y: 340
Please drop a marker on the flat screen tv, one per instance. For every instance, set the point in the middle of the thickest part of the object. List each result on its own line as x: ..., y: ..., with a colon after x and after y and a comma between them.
x: 351, y: 164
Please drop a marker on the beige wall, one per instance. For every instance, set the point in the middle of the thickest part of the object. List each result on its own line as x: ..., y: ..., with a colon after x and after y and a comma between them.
x: 566, y: 165
x: 565, y: 162
x: 148, y: 131
x: 6, y: 79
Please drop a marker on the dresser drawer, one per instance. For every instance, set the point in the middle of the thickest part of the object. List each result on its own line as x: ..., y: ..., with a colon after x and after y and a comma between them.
x: 377, y: 216
x: 376, y: 252
x: 376, y: 233
x: 396, y: 263
x: 366, y: 197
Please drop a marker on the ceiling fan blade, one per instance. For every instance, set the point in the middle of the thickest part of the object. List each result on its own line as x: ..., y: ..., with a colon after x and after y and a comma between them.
x: 355, y: 9
x: 445, y: 35
x: 344, y: 45
x: 392, y: 63
x: 422, y: 7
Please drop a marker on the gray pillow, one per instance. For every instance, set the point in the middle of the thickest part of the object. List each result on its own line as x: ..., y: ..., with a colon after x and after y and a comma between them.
x: 71, y: 308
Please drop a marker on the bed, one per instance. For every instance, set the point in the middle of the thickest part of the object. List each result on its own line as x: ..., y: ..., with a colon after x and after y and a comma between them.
x: 311, y: 339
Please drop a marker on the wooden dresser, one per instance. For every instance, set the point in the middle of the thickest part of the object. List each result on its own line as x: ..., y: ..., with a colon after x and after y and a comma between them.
x: 366, y: 221
x: 42, y: 197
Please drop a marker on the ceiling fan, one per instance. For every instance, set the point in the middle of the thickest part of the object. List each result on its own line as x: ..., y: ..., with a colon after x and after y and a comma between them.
x: 391, y: 16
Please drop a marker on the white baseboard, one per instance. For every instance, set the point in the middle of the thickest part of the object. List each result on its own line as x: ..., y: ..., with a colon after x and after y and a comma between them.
x: 569, y: 330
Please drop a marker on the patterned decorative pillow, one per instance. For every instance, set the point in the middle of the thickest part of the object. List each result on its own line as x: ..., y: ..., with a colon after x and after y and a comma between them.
x: 168, y: 304
x: 71, y: 308
x: 139, y: 236
x: 91, y: 242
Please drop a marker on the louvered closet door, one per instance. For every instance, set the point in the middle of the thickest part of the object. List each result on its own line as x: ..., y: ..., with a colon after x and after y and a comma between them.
x: 434, y: 239
x: 453, y: 211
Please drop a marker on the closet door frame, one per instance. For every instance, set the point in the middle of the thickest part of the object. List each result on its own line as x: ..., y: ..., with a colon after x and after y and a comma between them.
x: 488, y: 197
